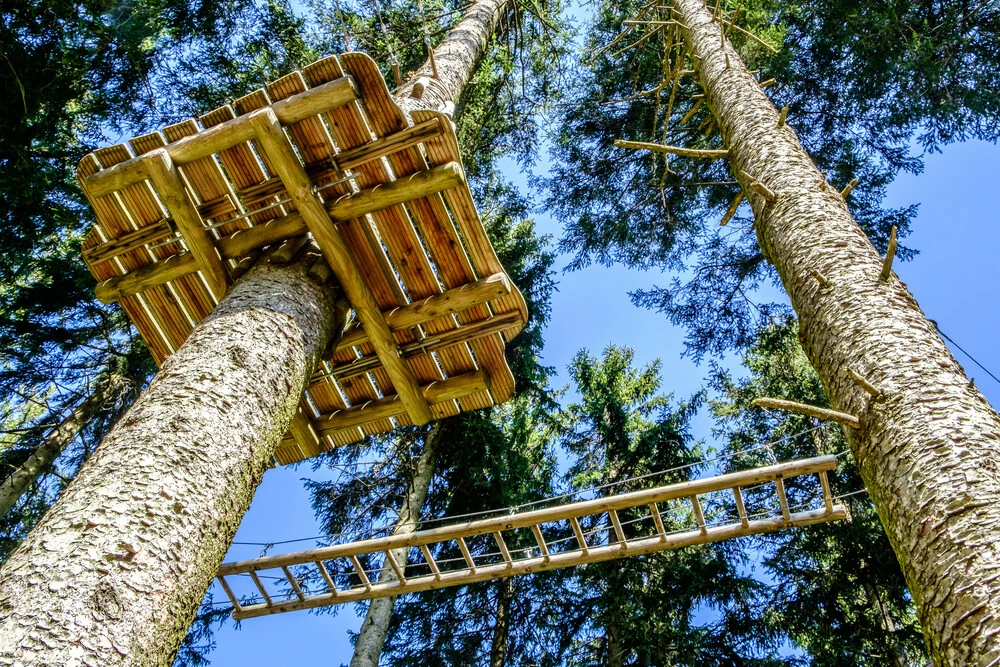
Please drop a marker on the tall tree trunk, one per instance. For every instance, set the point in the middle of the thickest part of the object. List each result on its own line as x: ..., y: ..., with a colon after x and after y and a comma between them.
x: 14, y: 486
x: 928, y: 449
x: 501, y: 628
x: 455, y: 60
x: 115, y: 571
x: 371, y: 638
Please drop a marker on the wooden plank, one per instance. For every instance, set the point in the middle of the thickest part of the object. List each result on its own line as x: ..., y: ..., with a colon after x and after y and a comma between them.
x: 168, y: 185
x: 225, y: 135
x: 464, y: 548
x: 243, y: 242
x: 276, y: 145
x: 390, y: 406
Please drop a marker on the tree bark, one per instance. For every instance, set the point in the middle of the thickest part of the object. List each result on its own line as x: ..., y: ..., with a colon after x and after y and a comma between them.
x: 14, y: 486
x: 501, y: 629
x: 454, y: 59
x: 115, y: 571
x: 371, y: 638
x: 928, y: 447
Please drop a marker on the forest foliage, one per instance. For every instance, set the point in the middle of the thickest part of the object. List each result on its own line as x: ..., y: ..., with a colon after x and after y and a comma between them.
x: 867, y: 86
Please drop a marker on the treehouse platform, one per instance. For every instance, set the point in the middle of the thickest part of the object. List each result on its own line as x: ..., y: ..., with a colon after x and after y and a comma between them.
x: 325, y: 153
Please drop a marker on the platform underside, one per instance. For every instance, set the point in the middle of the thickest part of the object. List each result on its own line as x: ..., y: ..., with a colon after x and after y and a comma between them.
x: 181, y: 211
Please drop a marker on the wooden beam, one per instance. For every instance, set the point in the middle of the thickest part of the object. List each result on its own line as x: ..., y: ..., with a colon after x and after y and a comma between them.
x: 433, y: 343
x: 158, y: 231
x: 245, y: 241
x: 841, y: 418
x: 304, y: 432
x: 420, y: 312
x: 392, y: 143
x: 391, y: 406
x: 312, y: 102
x: 168, y: 185
x: 276, y: 146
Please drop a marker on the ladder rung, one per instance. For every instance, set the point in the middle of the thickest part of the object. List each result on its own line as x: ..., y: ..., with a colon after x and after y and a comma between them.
x: 430, y: 561
x: 541, y: 540
x: 782, y: 500
x: 578, y: 531
x: 293, y: 581
x: 330, y: 583
x: 741, y: 509
x: 827, y: 496
x: 395, y: 567
x: 616, y: 522
x: 229, y: 592
x: 260, y: 587
x: 658, y: 520
x: 698, y: 514
x: 365, y: 581
x: 503, y: 548
x: 466, y: 555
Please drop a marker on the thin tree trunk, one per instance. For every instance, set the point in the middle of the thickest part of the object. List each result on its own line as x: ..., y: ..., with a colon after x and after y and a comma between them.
x: 14, y: 486
x: 928, y: 449
x: 455, y: 60
x: 501, y: 629
x: 371, y: 638
x: 115, y: 571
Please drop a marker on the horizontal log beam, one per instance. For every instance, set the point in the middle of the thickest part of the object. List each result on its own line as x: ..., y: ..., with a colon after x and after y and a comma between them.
x: 392, y: 143
x: 455, y: 387
x: 420, y: 312
x: 312, y: 102
x: 133, y: 240
x: 431, y: 343
x: 240, y: 243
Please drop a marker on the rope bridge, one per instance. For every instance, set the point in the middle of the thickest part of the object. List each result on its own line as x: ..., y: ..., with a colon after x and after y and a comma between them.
x: 589, y: 531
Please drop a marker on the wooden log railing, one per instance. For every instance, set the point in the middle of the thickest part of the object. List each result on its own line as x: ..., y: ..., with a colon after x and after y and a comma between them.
x: 336, y: 574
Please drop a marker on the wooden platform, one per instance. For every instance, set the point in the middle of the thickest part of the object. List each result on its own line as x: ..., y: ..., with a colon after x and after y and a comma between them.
x: 602, y: 529
x: 327, y: 152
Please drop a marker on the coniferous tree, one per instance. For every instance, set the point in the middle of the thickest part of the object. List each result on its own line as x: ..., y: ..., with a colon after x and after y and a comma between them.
x: 836, y: 589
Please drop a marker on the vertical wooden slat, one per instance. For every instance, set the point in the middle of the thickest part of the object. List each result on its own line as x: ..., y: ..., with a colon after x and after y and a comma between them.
x: 229, y: 592
x: 260, y: 587
x: 330, y: 583
x: 616, y: 522
x: 361, y: 573
x: 657, y: 520
x: 395, y: 567
x: 827, y: 496
x: 502, y: 545
x: 429, y: 558
x: 698, y: 514
x: 294, y: 582
x: 537, y: 530
x: 466, y: 555
x: 740, y: 507
x: 782, y: 499
x: 580, y: 537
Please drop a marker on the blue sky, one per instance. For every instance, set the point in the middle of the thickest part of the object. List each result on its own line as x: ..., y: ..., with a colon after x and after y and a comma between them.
x: 954, y: 278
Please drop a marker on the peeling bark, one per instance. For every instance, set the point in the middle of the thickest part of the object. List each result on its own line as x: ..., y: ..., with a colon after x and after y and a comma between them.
x: 371, y: 637
x: 116, y: 570
x: 455, y: 58
x: 55, y: 443
x: 928, y: 447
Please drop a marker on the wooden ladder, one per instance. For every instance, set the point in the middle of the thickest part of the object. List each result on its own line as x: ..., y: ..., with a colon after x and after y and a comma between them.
x: 605, y: 528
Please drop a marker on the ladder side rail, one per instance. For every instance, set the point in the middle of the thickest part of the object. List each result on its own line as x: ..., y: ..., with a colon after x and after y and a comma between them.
x: 552, y: 514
